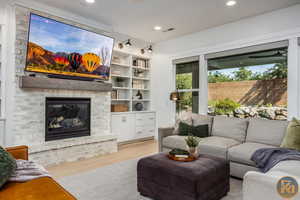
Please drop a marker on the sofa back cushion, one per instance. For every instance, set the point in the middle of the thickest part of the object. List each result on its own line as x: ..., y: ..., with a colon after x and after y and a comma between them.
x: 230, y: 127
x: 202, y: 120
x: 266, y: 131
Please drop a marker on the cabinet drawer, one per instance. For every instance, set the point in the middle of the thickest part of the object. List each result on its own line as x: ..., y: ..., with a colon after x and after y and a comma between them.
x: 144, y: 132
x: 145, y: 116
x: 148, y: 123
x: 145, y: 120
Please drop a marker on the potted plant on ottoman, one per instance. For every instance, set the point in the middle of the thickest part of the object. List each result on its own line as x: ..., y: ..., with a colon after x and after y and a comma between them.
x: 192, y: 142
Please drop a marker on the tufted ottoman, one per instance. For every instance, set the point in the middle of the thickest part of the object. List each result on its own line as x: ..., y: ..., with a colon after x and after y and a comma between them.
x: 163, y: 179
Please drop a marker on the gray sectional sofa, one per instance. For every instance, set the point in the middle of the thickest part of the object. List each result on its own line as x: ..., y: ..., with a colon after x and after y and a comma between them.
x: 230, y: 138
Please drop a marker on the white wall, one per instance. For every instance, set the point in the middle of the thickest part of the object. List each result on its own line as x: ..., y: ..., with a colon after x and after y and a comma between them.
x: 275, y: 26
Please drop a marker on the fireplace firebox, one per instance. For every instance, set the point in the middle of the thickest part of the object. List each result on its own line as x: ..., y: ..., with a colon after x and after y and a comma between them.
x: 67, y: 118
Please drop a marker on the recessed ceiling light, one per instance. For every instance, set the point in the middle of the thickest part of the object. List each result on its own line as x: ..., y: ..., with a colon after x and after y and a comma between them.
x: 157, y: 28
x: 231, y: 3
x: 90, y: 1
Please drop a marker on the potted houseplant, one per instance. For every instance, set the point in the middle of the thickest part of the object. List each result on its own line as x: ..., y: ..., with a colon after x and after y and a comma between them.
x: 192, y: 142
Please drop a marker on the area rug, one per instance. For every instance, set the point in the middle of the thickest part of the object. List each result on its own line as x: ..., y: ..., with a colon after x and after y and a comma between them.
x: 118, y: 182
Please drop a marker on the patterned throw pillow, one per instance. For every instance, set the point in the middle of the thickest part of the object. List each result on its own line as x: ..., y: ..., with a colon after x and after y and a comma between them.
x: 7, y: 166
x: 292, y: 136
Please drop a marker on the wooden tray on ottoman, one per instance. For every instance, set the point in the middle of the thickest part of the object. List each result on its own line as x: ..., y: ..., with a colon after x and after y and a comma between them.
x: 179, y: 159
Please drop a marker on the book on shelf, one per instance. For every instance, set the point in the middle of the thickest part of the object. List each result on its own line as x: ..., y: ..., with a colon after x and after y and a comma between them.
x: 140, y: 63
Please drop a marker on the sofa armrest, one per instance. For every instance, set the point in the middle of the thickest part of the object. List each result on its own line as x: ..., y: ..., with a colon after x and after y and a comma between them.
x: 258, y: 185
x: 19, y: 152
x: 164, y: 132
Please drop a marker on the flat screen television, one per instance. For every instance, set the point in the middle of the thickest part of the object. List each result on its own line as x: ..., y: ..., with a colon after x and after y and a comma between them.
x: 61, y: 49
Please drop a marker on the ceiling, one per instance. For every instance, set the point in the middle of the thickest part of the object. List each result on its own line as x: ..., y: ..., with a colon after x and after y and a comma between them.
x: 138, y: 17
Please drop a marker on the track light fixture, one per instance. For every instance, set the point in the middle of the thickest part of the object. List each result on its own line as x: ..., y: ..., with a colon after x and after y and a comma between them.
x: 126, y: 42
x: 121, y: 45
x: 149, y: 49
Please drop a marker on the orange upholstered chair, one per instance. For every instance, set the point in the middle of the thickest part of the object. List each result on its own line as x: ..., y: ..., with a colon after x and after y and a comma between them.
x: 38, y: 189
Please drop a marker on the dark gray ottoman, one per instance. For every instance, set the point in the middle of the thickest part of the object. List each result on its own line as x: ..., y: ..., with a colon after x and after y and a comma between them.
x: 163, y: 179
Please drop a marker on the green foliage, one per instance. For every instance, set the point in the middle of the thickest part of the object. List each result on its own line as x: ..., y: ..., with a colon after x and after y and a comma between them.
x: 279, y: 71
x: 242, y: 74
x: 225, y: 106
x: 215, y: 77
x: 192, y: 141
x: 184, y: 81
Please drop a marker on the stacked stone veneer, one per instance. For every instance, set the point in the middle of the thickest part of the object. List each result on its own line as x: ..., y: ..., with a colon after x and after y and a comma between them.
x: 272, y: 113
x: 29, y: 111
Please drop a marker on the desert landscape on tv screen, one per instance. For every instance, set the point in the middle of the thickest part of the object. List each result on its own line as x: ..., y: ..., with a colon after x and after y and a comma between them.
x: 58, y: 48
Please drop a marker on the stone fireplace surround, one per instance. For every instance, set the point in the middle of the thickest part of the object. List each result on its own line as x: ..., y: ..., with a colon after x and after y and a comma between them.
x: 28, y: 116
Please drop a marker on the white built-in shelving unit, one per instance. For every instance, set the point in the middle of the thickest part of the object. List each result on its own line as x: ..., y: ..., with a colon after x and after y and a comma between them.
x: 130, y: 75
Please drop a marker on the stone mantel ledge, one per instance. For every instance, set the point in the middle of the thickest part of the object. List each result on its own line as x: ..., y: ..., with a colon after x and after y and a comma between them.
x: 65, y: 143
x: 34, y: 82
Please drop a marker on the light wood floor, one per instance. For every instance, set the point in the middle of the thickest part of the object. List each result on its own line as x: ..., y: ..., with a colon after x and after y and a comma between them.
x: 126, y: 152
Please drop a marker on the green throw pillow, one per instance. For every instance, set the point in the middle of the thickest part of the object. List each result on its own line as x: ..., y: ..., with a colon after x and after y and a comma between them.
x: 292, y: 136
x: 198, y: 131
x: 7, y: 166
x: 184, y: 129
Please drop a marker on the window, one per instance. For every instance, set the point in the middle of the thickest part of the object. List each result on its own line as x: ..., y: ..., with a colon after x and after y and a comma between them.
x: 249, y: 85
x: 187, y: 83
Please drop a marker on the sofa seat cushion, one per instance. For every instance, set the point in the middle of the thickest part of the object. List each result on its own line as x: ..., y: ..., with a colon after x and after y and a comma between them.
x: 230, y: 127
x: 216, y: 146
x: 288, y: 166
x: 174, y: 141
x: 264, y: 131
x: 37, y: 189
x: 243, y: 152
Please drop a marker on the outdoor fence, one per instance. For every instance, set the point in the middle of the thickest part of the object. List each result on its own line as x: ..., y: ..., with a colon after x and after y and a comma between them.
x: 251, y: 93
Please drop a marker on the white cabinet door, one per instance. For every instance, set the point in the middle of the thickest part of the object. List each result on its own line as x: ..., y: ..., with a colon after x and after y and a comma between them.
x: 123, y: 126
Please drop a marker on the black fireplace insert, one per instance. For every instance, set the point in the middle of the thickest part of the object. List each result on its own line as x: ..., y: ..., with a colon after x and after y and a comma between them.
x: 67, y: 118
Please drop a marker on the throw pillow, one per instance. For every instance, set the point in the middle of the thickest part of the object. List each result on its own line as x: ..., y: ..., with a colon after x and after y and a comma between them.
x: 184, y: 129
x: 7, y: 166
x: 200, y: 131
x: 291, y: 139
x: 183, y: 117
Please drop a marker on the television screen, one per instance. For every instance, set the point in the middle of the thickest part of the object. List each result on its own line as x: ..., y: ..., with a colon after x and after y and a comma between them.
x: 62, y: 49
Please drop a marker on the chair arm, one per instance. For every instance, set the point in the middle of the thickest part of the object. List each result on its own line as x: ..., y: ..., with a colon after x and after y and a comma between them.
x: 164, y: 132
x: 19, y: 152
